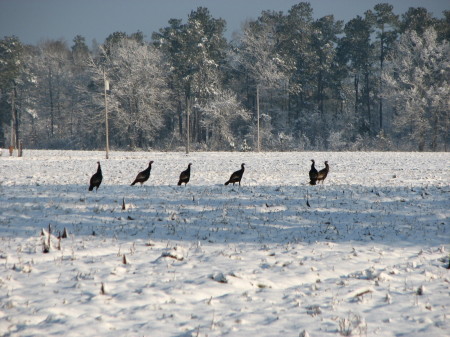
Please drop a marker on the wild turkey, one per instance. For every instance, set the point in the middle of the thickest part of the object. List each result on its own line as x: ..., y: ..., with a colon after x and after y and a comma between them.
x: 236, y: 176
x: 185, y: 176
x: 143, y: 176
x: 313, y: 174
x: 96, y: 179
x: 323, y: 173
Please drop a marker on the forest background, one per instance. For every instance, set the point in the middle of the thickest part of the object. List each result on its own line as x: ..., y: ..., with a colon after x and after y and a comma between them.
x: 377, y: 82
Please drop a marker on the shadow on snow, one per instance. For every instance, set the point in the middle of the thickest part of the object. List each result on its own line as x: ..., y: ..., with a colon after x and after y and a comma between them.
x: 253, y: 214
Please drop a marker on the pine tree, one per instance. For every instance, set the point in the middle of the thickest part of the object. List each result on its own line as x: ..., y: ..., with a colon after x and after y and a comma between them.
x: 195, y: 51
x: 356, y: 51
x: 386, y: 24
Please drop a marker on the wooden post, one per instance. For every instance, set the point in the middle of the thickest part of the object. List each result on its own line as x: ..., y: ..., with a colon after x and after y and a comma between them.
x: 257, y: 116
x: 106, y: 85
x: 12, y: 141
x: 188, y: 136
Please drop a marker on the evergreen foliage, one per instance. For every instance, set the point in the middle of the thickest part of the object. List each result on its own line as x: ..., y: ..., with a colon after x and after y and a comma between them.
x: 378, y: 81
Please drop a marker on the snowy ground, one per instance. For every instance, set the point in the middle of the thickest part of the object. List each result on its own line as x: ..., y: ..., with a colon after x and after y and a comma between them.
x: 368, y: 258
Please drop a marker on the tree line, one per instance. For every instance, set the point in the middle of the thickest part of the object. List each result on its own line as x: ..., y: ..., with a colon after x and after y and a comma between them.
x: 288, y: 81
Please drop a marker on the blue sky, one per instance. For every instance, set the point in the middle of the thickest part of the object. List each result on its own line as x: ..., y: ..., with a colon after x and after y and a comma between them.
x: 36, y: 20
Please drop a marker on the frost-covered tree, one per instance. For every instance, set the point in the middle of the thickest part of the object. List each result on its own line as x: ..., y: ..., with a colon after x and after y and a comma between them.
x: 26, y: 99
x: 11, y: 66
x: 87, y: 110
x: 169, y: 41
x: 51, y: 66
x: 356, y: 52
x: 206, y: 49
x: 224, y: 120
x: 258, y: 50
x: 80, y: 51
x: 443, y: 26
x: 417, y: 80
x: 386, y: 26
x: 323, y: 40
x: 139, y: 89
x: 194, y: 50
x: 258, y: 56
x: 319, y: 84
x: 296, y: 47
x: 309, y: 47
x: 417, y: 19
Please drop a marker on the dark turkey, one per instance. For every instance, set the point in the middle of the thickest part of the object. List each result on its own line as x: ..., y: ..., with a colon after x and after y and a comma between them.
x: 96, y: 179
x: 143, y: 176
x: 323, y: 173
x: 313, y: 174
x: 236, y: 176
x: 185, y: 176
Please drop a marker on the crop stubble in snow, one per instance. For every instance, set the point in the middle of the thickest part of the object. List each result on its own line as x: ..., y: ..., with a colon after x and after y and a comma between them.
x: 367, y: 258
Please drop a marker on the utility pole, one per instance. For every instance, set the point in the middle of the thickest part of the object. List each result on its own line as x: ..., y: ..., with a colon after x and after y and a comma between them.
x: 12, y: 142
x: 188, y: 110
x: 106, y: 85
x: 257, y: 115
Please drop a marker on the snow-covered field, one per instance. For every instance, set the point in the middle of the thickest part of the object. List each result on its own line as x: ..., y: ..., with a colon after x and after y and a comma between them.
x: 369, y: 257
